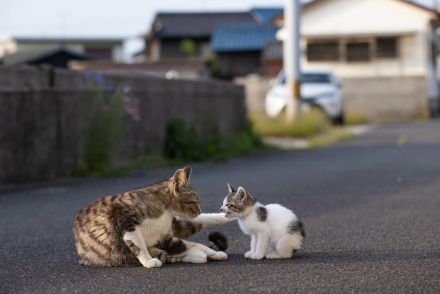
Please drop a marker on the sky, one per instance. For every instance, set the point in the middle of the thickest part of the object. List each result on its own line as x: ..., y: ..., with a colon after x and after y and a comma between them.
x: 103, y: 18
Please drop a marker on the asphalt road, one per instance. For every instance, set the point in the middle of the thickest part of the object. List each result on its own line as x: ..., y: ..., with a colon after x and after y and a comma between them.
x: 371, y: 209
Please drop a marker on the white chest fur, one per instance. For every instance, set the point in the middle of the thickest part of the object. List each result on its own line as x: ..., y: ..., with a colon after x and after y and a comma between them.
x: 154, y: 230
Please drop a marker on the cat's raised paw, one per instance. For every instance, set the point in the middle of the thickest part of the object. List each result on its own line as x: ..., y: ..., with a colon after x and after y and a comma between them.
x: 154, y: 262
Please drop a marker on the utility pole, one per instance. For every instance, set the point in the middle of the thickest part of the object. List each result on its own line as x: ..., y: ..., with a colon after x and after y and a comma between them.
x: 291, y: 56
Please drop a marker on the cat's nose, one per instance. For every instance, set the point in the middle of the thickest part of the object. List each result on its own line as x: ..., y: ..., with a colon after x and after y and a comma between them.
x: 222, y: 209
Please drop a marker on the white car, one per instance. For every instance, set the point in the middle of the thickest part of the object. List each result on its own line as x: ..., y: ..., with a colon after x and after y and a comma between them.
x: 319, y: 89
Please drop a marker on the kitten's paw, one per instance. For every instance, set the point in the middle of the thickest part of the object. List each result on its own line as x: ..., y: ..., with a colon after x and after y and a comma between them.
x: 273, y: 255
x: 219, y: 255
x: 154, y: 262
x: 248, y: 254
x: 256, y: 256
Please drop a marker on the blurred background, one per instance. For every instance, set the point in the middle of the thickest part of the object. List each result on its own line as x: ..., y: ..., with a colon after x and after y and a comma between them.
x: 96, y: 84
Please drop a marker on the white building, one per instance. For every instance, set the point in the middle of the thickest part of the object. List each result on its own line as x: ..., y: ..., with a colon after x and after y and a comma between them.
x: 368, y: 37
x: 390, y: 42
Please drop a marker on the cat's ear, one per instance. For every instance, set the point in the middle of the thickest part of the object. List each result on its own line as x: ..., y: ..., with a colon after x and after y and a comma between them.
x: 182, y: 177
x: 231, y: 189
x: 241, y: 194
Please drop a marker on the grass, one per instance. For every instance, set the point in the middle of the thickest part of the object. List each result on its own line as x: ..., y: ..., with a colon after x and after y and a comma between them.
x: 354, y: 118
x: 308, y: 124
x: 332, y: 136
x: 312, y: 127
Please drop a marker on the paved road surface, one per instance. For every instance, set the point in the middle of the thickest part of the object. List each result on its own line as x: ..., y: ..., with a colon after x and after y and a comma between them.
x: 371, y: 209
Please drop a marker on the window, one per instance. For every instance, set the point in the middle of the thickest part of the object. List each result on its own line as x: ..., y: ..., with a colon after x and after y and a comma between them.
x: 358, y: 51
x: 323, y: 51
x: 386, y: 47
x: 315, y: 78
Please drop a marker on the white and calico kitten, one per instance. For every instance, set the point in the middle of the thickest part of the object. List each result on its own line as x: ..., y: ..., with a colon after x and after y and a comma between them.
x: 276, y: 232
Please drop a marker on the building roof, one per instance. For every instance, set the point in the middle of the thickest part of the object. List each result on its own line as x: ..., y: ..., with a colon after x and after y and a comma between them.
x: 241, y: 37
x: 409, y: 2
x: 194, y: 25
x: 38, y: 56
x: 60, y: 40
x: 265, y: 15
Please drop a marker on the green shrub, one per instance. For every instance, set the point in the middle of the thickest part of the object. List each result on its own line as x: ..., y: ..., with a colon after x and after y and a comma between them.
x: 101, y: 136
x: 188, y: 47
x: 184, y: 143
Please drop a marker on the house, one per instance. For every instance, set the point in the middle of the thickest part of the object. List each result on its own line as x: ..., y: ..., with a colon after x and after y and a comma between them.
x: 238, y: 47
x: 390, y: 45
x: 367, y: 37
x: 56, y: 57
x: 182, y: 35
x: 97, y: 48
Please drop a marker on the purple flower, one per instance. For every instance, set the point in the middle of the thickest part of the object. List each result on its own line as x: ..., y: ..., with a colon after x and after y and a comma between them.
x: 109, y: 88
x: 100, y: 79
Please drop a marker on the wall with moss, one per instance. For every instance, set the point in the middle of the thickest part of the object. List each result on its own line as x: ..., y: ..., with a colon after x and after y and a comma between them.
x: 54, y: 123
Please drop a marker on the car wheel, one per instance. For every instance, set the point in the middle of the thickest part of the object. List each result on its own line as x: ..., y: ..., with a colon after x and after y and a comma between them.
x: 339, y: 120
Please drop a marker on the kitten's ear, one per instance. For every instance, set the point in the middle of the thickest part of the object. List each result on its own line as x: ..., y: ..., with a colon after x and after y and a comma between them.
x: 182, y: 177
x: 231, y: 189
x: 241, y: 194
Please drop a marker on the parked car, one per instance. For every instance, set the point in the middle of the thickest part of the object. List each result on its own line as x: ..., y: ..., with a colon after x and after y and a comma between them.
x: 319, y: 89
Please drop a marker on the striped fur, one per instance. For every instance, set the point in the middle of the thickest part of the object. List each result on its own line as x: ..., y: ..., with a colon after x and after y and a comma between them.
x: 100, y: 226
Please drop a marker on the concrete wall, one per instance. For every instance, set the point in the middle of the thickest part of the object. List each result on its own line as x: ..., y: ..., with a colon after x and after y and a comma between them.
x: 377, y: 99
x: 256, y: 88
x: 386, y: 99
x: 43, y: 117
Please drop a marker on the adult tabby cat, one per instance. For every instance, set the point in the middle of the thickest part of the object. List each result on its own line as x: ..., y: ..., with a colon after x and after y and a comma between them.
x: 144, y: 226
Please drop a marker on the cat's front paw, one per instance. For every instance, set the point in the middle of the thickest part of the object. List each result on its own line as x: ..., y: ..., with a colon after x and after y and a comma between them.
x: 256, y: 256
x: 154, y: 262
x: 219, y: 255
x: 248, y: 254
